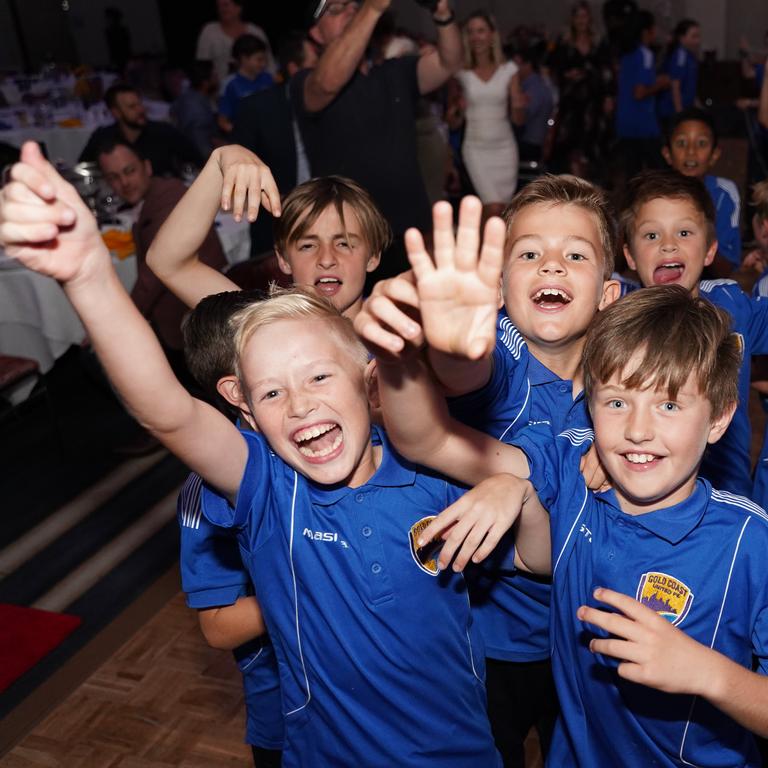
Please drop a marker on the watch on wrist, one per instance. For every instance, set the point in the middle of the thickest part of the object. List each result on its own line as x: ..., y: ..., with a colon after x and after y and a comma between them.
x: 449, y: 19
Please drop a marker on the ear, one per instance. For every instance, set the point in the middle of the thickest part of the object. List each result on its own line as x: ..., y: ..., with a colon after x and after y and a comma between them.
x: 666, y: 154
x: 720, y: 424
x: 715, y: 156
x: 282, y: 262
x: 611, y: 292
x: 371, y: 378
x: 373, y: 261
x: 711, y: 253
x: 229, y: 388
x: 631, y: 263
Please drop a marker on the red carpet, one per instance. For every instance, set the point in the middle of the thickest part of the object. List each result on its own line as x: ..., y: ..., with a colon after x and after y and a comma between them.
x: 26, y: 635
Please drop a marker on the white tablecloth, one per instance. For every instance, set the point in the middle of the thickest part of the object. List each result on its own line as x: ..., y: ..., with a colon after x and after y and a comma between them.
x: 36, y: 319
x: 62, y: 144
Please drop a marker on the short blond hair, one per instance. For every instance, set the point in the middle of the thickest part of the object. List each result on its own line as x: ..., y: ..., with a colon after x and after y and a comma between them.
x: 566, y: 189
x: 760, y: 199
x: 295, y: 304
x: 678, y: 335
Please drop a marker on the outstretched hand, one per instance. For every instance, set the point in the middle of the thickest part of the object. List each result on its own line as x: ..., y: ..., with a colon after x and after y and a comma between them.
x: 44, y: 223
x: 459, y: 292
x: 652, y: 651
x: 246, y: 177
x: 388, y: 322
x: 473, y: 526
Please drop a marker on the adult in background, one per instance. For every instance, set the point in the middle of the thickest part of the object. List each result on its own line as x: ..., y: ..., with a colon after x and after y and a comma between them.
x: 539, y: 103
x: 491, y: 90
x: 131, y: 176
x: 357, y: 119
x: 581, y: 67
x: 161, y: 143
x: 217, y: 37
x: 192, y: 112
x: 265, y: 124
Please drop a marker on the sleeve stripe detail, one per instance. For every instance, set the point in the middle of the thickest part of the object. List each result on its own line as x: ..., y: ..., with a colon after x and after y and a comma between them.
x: 511, y: 338
x: 577, y: 437
x: 520, y: 412
x: 739, y: 501
x: 189, y: 506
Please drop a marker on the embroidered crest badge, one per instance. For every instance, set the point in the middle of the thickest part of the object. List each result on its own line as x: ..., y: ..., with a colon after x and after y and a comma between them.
x: 426, y: 556
x: 666, y: 595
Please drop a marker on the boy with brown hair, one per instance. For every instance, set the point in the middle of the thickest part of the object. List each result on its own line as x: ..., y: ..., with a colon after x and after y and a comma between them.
x: 668, y: 228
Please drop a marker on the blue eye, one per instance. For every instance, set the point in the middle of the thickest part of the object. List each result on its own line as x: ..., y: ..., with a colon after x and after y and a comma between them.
x: 615, y: 403
x: 670, y: 407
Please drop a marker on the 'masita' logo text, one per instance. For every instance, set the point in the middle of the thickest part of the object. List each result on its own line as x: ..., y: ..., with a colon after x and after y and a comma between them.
x: 324, y: 536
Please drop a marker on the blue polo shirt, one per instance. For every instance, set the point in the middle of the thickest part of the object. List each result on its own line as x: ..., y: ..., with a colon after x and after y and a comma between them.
x: 636, y: 118
x: 700, y: 563
x: 512, y: 607
x: 728, y: 464
x: 238, y: 87
x: 725, y: 196
x: 377, y: 658
x: 680, y: 65
x: 213, y: 575
x: 760, y: 484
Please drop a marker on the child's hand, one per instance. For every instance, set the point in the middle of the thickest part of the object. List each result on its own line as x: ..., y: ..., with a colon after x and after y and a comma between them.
x: 44, y: 223
x: 593, y: 471
x: 459, y: 293
x: 388, y: 322
x: 246, y: 176
x: 755, y: 260
x: 473, y: 526
x: 651, y: 650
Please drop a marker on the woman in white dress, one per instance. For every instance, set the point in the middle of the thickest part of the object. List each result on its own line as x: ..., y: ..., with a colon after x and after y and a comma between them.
x: 491, y: 91
x: 217, y: 37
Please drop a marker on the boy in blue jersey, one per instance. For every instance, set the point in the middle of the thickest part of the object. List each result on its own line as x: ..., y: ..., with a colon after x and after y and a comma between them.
x: 558, y: 259
x: 668, y: 227
x: 250, y: 55
x: 691, y: 149
x: 213, y: 576
x: 363, y: 623
x: 682, y: 66
x: 678, y: 564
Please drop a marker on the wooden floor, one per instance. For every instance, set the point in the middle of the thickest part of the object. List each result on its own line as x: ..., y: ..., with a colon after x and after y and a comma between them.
x: 162, y: 700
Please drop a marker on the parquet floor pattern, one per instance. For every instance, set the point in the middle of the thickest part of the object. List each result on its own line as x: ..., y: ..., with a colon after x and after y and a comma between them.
x: 165, y: 699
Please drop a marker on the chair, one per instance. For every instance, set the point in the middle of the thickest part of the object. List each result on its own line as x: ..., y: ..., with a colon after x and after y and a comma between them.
x: 258, y: 273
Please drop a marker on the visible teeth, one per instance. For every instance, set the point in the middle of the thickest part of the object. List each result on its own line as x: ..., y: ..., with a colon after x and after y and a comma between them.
x: 552, y: 292
x: 328, y: 280
x: 310, y: 432
x: 639, y: 458
x: 672, y: 265
x: 306, y: 451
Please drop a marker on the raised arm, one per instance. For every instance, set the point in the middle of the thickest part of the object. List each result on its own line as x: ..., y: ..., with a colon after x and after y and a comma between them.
x: 234, y: 179
x: 47, y: 227
x: 434, y: 68
x: 342, y: 57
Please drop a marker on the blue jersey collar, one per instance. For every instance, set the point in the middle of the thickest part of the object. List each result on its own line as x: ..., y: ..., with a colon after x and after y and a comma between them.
x: 673, y: 523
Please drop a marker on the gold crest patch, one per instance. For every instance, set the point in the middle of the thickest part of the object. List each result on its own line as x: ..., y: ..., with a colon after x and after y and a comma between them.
x: 426, y: 556
x: 666, y: 595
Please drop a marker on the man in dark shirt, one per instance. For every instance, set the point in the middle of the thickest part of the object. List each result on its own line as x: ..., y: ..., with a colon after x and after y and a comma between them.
x: 163, y: 145
x: 358, y: 119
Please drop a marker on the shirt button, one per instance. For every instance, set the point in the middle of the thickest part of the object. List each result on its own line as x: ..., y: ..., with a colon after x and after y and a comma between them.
x: 376, y: 568
x: 366, y: 531
x: 563, y: 388
x: 359, y: 497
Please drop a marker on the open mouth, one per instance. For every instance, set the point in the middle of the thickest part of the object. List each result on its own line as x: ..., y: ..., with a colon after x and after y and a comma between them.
x: 551, y: 298
x: 319, y: 441
x: 668, y: 272
x: 328, y: 286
